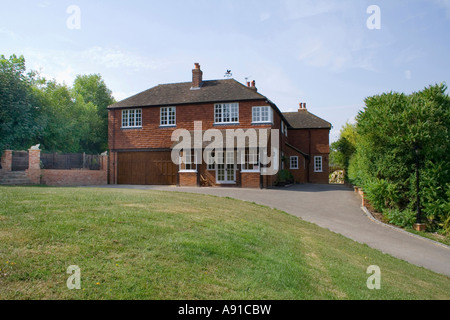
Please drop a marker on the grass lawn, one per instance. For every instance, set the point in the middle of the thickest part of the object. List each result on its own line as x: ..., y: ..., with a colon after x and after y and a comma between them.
x: 138, y: 244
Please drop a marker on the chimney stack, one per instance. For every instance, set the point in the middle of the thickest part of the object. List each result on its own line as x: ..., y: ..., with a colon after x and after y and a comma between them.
x: 253, y: 85
x: 302, y: 107
x: 197, y: 77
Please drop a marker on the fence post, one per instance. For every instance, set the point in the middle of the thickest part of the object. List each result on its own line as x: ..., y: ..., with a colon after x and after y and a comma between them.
x: 7, y: 160
x: 34, y: 164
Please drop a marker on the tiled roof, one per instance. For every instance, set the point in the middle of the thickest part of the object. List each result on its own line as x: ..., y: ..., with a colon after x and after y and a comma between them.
x: 305, y: 120
x: 228, y: 90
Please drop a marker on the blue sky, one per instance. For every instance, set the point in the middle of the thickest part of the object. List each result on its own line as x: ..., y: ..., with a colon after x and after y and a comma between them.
x: 316, y: 51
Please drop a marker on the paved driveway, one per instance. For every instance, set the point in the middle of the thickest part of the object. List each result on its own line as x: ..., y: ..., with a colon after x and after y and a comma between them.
x: 338, y: 209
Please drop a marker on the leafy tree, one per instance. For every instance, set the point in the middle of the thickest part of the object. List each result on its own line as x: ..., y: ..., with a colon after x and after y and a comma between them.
x: 92, y: 89
x: 343, y: 149
x: 20, y: 112
x: 61, y: 119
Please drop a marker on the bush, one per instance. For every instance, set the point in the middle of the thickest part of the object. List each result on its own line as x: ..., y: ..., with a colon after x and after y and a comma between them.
x: 381, y: 194
x: 285, y: 176
x: 405, y: 218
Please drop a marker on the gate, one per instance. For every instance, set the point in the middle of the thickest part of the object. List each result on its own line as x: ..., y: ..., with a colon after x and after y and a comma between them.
x: 19, y: 161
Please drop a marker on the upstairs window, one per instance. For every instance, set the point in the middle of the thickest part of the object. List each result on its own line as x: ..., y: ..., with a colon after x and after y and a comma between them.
x: 226, y: 113
x: 132, y: 118
x: 262, y: 114
x: 168, y: 116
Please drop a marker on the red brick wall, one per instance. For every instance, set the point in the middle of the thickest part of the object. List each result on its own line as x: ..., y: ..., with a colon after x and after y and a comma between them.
x: 34, y: 167
x: 188, y: 179
x: 314, y: 142
x: 76, y: 177
x: 68, y: 178
x: 151, y: 136
x: 319, y: 177
x: 250, y: 179
x: 6, y: 160
x: 300, y: 173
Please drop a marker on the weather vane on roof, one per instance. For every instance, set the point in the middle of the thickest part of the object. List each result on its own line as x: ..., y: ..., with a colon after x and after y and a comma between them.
x: 228, y: 74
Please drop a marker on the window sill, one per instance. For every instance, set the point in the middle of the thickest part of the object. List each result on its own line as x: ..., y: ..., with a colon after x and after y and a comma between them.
x: 187, y: 171
x: 262, y: 123
x: 130, y: 128
x: 250, y: 171
x: 226, y: 124
x: 168, y: 126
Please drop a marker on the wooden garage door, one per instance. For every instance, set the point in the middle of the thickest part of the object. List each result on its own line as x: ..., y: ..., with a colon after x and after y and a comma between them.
x: 146, y: 168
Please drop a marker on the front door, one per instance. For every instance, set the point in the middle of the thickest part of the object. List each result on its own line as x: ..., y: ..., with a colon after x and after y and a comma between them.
x: 226, y: 168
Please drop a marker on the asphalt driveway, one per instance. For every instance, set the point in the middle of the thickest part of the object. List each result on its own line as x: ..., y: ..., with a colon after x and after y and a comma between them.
x: 338, y: 209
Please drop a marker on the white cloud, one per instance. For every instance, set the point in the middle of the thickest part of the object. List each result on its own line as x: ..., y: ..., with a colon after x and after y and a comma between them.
x: 116, y: 58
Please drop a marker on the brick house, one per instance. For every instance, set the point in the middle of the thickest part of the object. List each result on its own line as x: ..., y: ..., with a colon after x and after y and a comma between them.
x: 141, y: 127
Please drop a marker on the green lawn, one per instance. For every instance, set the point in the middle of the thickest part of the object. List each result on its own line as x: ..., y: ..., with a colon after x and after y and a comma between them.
x: 136, y: 244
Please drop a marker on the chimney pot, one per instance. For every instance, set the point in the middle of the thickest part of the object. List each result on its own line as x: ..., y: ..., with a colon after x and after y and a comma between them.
x: 302, y: 107
x: 248, y: 84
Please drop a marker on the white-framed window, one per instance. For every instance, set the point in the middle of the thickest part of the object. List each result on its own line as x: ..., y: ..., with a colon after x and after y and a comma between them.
x: 188, y: 162
x: 286, y: 130
x: 282, y: 127
x: 132, y: 118
x: 168, y: 116
x: 262, y: 114
x: 250, y: 160
x: 318, y: 164
x: 294, y: 162
x: 225, y: 113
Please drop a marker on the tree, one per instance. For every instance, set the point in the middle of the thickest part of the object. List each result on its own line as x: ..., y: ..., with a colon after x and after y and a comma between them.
x: 92, y: 89
x: 61, y: 119
x: 21, y: 118
x: 343, y: 149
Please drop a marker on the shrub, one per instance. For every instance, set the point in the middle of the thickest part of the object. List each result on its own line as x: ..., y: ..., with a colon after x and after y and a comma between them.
x: 381, y: 194
x: 405, y: 218
x: 285, y: 176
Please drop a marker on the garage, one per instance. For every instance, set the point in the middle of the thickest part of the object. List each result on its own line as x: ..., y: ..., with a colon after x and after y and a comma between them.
x: 146, y: 168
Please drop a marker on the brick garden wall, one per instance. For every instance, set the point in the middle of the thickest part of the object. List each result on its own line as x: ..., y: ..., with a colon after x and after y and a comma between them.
x: 76, y: 177
x: 48, y: 177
